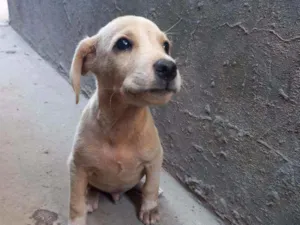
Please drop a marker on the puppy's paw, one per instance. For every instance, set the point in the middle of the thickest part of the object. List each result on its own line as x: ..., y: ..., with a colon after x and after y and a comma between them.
x: 149, y: 213
x: 78, y: 221
x: 92, y: 206
x: 116, y: 197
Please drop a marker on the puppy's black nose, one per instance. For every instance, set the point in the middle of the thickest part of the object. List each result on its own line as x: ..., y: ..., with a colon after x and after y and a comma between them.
x: 165, y: 69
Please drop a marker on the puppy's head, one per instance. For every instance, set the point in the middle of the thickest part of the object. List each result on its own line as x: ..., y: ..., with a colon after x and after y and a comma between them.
x: 130, y: 55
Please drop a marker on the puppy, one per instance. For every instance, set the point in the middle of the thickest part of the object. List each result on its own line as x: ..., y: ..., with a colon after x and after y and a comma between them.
x: 116, y: 141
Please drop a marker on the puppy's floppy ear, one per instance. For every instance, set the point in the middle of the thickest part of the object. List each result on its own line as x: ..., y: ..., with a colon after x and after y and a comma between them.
x: 83, y: 60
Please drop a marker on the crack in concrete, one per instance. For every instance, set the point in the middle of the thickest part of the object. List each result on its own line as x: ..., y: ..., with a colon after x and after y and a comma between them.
x: 277, y: 152
x: 117, y: 7
x: 66, y: 12
x: 255, y: 29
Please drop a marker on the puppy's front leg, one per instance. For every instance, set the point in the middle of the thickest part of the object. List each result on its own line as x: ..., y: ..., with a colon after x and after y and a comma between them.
x: 78, y: 188
x: 149, y: 213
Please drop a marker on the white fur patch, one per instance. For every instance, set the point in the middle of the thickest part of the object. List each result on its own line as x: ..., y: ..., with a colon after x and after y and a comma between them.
x: 141, y: 184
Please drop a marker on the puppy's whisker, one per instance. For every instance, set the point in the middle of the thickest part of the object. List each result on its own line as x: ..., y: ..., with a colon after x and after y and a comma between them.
x: 110, y: 99
x: 174, y: 25
x: 184, y: 85
x: 140, y: 73
x: 107, y: 89
x: 171, y: 33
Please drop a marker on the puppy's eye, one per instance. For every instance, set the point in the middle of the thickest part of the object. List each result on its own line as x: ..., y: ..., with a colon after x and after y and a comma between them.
x: 166, y: 46
x: 123, y: 44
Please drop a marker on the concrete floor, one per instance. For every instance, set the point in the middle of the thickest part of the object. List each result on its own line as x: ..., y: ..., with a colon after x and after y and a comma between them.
x: 38, y: 116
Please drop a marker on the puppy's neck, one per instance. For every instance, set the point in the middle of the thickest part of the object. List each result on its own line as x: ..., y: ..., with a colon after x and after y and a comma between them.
x: 118, y: 119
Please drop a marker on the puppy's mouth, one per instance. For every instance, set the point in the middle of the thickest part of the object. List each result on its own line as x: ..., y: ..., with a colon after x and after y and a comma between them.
x: 161, y: 91
x: 152, y: 96
x: 158, y: 91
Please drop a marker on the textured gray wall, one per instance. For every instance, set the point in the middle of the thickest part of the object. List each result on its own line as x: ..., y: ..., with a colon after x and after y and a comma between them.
x: 233, y: 134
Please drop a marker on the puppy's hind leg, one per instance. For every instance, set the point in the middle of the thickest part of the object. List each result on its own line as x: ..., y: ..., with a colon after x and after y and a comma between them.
x: 92, y: 199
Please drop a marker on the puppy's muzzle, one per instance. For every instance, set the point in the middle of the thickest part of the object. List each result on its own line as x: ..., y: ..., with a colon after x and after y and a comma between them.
x: 165, y: 69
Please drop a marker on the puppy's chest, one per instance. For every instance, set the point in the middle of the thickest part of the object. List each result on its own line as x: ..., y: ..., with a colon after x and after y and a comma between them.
x: 125, y: 161
x: 118, y: 161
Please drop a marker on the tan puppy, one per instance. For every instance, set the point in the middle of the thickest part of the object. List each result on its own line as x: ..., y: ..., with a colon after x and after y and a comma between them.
x: 116, y: 142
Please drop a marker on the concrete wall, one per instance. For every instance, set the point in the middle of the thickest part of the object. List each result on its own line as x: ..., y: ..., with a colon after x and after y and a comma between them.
x: 233, y: 134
